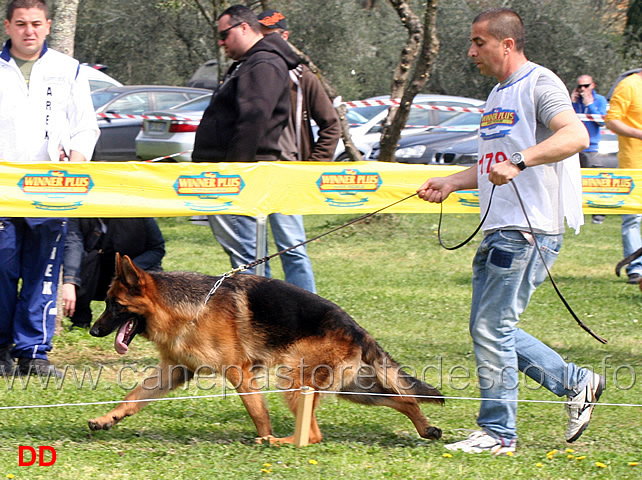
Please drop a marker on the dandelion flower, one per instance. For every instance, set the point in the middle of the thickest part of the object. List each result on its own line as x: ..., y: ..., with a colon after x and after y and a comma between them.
x: 581, y: 457
x: 447, y: 455
x: 551, y: 453
x: 570, y: 450
x: 631, y: 464
x: 510, y: 454
x: 539, y: 464
x: 11, y: 475
x: 313, y: 462
x: 600, y: 464
x: 265, y: 470
x: 267, y: 465
x: 570, y: 457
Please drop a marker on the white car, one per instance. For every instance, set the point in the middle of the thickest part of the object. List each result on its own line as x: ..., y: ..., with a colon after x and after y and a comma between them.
x: 366, y: 121
x: 98, y: 79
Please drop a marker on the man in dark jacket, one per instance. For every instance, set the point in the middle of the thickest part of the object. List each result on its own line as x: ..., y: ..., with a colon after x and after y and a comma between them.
x: 249, y: 110
x: 309, y: 101
x: 90, y: 253
x: 243, y: 123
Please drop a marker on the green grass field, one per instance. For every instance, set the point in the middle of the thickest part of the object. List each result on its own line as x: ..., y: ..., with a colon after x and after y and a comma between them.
x: 391, y: 275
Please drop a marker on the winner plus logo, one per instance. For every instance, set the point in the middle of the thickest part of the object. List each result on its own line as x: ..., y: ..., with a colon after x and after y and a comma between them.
x: 349, y: 187
x: 492, y: 123
x: 214, y: 188
x: 56, y: 186
x: 606, y: 190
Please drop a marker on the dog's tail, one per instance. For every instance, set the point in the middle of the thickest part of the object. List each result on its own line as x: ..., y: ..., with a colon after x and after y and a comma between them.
x: 380, y: 375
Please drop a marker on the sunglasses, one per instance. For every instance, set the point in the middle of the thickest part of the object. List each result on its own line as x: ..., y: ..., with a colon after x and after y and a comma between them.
x: 584, y: 86
x: 223, y: 34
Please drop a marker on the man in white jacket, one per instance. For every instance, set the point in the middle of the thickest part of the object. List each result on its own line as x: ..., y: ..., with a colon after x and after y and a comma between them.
x: 46, y: 114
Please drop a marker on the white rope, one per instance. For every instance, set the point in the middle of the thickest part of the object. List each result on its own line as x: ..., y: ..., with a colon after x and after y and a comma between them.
x: 165, y: 399
x: 326, y: 392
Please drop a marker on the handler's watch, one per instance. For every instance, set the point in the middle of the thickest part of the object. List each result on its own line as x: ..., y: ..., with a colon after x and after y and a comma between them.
x: 517, y: 159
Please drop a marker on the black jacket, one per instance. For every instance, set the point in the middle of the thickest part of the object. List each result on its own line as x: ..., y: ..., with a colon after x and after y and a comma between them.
x: 140, y: 238
x: 249, y: 110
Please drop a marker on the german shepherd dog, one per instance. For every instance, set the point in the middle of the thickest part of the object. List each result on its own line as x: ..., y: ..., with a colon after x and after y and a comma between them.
x: 253, y: 321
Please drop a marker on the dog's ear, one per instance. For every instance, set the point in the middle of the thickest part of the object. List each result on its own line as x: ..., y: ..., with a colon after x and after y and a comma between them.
x: 128, y: 273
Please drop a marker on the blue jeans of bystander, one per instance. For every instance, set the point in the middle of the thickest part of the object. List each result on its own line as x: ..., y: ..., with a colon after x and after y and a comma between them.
x: 237, y: 236
x: 631, y: 241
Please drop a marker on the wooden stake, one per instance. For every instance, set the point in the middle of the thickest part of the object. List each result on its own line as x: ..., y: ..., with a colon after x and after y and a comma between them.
x: 303, y: 417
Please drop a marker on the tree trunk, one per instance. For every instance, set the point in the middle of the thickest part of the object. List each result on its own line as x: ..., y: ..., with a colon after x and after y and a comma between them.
x: 63, y: 27
x: 420, y: 51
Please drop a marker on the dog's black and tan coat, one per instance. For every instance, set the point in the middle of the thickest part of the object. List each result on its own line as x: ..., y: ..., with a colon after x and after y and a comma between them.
x: 253, y: 321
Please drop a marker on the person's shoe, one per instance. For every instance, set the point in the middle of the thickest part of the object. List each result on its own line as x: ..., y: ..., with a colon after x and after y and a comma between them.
x: 580, y: 407
x: 6, y: 360
x: 598, y: 219
x: 37, y: 366
x: 634, y: 278
x: 478, y: 442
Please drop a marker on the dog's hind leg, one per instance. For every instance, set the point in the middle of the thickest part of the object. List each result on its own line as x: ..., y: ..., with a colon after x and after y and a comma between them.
x: 241, y: 379
x: 378, y: 396
x: 170, y: 377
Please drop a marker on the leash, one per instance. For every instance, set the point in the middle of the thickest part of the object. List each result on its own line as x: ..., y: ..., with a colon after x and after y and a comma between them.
x: 259, y: 261
x: 557, y: 290
x: 532, y: 232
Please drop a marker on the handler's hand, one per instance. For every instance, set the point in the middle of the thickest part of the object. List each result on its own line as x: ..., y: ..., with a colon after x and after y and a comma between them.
x: 435, y: 189
x: 68, y: 299
x: 503, y: 172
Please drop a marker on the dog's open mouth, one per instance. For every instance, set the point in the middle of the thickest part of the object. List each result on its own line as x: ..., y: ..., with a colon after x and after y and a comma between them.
x: 125, y: 335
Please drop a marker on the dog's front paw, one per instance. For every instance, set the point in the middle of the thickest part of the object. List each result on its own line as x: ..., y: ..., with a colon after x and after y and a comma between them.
x: 102, y: 423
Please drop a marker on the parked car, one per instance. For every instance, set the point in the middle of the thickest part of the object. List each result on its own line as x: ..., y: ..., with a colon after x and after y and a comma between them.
x: 118, y: 135
x: 165, y: 138
x: 206, y: 76
x: 98, y: 78
x: 452, y: 144
x: 160, y: 138
x: 366, y: 122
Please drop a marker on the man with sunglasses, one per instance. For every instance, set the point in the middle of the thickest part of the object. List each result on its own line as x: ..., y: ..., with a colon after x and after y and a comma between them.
x: 246, y: 116
x: 587, y: 101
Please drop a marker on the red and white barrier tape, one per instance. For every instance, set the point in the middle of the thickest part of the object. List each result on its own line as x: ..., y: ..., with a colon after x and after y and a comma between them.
x: 353, y: 104
x: 146, y: 117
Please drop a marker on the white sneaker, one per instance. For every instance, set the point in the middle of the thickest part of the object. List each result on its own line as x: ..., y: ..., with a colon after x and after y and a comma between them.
x: 480, y: 441
x: 580, y: 407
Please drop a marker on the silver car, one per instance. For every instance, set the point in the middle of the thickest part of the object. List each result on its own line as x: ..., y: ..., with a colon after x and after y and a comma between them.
x: 117, y: 135
x: 166, y: 139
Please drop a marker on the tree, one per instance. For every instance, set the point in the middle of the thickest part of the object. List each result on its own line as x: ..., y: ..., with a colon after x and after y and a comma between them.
x: 419, y: 52
x: 63, y: 29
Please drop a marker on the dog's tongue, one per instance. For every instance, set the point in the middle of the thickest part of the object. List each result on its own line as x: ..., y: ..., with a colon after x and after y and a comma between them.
x: 119, y: 344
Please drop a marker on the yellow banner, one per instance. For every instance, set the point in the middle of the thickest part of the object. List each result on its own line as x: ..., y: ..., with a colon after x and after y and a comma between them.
x: 140, y: 189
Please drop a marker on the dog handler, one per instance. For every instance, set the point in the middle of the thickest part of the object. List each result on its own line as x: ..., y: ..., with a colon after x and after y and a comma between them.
x: 529, y: 139
x: 46, y: 114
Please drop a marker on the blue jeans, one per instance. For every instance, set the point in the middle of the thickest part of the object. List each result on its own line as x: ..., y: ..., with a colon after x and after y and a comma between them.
x: 631, y: 241
x: 506, y: 271
x: 237, y: 236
